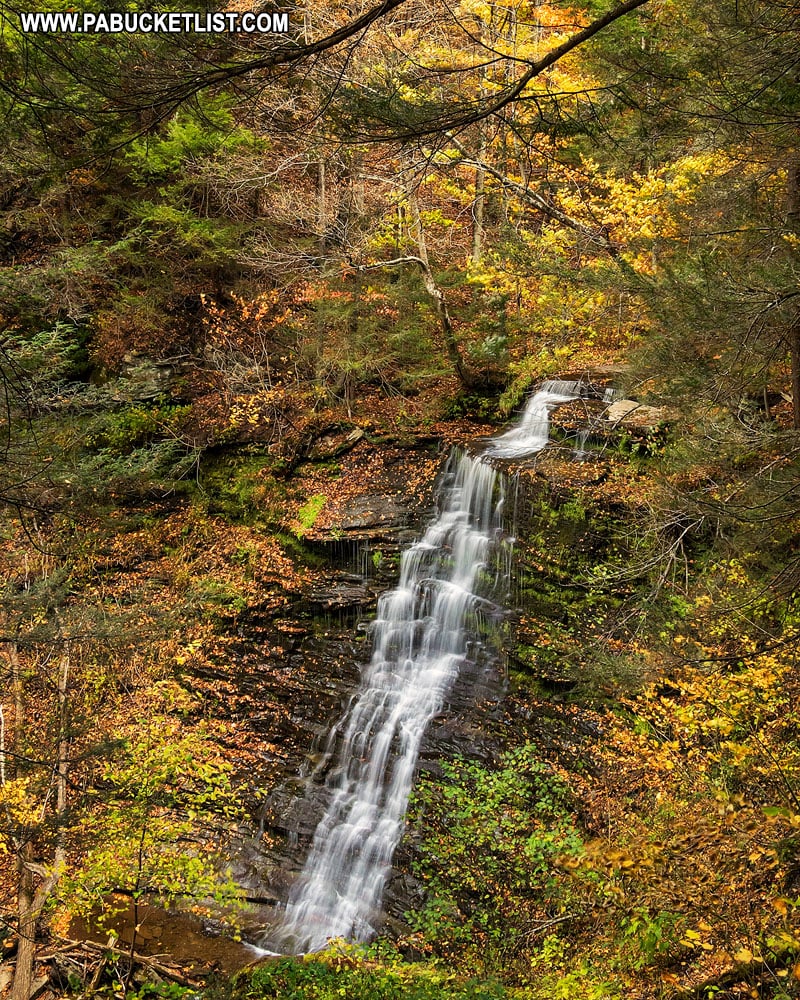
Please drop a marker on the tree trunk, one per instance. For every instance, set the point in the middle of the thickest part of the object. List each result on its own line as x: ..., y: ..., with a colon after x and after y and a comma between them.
x: 478, y: 208
x: 479, y: 204
x: 794, y: 353
x: 321, y: 196
x: 30, y: 898
x: 27, y: 918
x: 442, y: 313
x: 26, y: 892
x: 793, y: 337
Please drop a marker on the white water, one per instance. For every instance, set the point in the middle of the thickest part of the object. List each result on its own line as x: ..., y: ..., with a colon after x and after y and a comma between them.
x: 533, y: 431
x: 423, y: 635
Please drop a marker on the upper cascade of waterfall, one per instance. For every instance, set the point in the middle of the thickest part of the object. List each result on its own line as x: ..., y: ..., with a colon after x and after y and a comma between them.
x: 533, y: 431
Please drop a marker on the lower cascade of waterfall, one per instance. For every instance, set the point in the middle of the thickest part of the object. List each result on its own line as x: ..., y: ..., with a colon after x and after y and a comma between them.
x: 426, y: 631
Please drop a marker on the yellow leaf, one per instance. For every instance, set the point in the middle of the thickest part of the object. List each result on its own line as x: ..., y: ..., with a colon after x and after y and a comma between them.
x: 743, y: 955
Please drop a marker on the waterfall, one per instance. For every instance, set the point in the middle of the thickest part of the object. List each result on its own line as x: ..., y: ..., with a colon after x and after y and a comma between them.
x: 426, y: 630
x: 533, y: 430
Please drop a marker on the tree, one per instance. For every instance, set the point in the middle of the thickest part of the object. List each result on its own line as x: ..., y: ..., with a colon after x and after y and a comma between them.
x: 68, y: 660
x: 94, y: 798
x: 77, y: 77
x: 709, y: 115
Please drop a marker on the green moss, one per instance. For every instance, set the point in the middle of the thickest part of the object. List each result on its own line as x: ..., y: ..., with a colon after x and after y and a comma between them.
x: 299, y: 552
x: 475, y: 405
x: 217, y: 594
x: 309, y: 512
x: 242, y: 488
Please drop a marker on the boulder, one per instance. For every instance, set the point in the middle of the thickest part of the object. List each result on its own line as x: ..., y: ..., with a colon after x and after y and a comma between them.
x: 147, y: 379
x: 631, y: 413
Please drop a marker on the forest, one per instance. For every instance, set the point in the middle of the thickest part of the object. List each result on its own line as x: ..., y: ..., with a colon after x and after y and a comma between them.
x: 255, y: 287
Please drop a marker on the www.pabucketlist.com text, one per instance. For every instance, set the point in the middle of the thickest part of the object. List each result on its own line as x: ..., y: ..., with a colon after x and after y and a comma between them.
x: 150, y: 22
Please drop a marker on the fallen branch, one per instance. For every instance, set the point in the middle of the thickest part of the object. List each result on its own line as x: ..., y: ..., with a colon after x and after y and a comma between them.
x: 166, y: 971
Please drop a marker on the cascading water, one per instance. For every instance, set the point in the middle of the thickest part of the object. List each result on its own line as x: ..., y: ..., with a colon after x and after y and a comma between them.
x: 533, y: 431
x: 425, y: 632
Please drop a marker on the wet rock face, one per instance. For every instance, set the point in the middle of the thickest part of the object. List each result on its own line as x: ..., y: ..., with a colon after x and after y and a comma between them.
x: 380, y: 495
x: 293, y: 676
x: 373, y: 513
x: 341, y: 593
x: 277, y: 697
x: 296, y: 662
